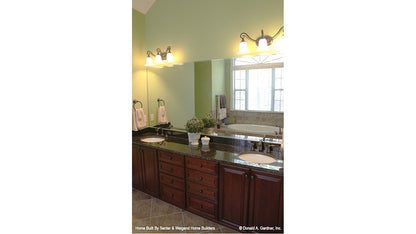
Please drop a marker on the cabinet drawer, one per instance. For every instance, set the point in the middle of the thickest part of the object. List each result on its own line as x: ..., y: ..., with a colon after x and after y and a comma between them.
x: 201, y: 178
x: 172, y: 195
x: 202, y: 165
x: 201, y: 207
x: 171, y: 158
x: 202, y: 191
x: 171, y: 169
x: 172, y: 181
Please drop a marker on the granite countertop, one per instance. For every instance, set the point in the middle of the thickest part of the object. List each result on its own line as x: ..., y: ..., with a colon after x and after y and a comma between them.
x: 226, y: 154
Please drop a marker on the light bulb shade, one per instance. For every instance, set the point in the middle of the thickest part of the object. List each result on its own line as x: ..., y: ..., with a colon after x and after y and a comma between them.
x: 263, y: 46
x: 243, y: 48
x: 149, y: 61
x: 158, y: 59
x: 169, y: 57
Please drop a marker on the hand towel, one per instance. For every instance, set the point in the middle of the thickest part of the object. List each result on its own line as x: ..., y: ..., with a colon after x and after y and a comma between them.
x: 223, y: 101
x: 139, y: 119
x: 134, y: 120
x: 221, y: 107
x: 162, y: 118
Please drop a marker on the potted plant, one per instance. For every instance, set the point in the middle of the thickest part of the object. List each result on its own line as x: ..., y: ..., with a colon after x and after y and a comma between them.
x: 194, y: 127
x: 209, y: 123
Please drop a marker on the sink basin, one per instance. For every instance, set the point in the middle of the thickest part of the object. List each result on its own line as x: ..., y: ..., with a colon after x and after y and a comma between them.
x: 256, y: 157
x: 152, y: 139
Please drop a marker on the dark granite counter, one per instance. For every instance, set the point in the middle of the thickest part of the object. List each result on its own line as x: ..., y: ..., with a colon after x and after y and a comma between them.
x: 225, y: 154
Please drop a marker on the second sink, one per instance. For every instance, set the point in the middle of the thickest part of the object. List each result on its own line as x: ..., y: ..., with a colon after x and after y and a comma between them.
x: 256, y: 157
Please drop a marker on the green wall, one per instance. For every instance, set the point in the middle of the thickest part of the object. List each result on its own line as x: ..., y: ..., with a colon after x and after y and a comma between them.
x: 175, y: 85
x: 197, y: 30
x: 200, y: 30
x: 209, y: 82
x: 218, y: 85
x: 139, y: 91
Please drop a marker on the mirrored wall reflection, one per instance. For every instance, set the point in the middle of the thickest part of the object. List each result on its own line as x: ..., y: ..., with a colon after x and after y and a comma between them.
x: 240, y: 93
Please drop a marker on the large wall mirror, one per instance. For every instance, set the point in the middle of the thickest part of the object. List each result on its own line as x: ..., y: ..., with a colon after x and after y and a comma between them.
x: 245, y: 94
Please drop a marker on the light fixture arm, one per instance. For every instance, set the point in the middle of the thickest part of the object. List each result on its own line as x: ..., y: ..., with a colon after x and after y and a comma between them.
x: 243, y: 35
x: 278, y: 32
x: 150, y: 53
x: 267, y: 37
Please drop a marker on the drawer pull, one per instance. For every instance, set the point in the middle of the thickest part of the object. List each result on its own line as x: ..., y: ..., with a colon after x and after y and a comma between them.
x: 200, y: 178
x: 200, y: 165
x: 200, y: 206
x: 200, y: 191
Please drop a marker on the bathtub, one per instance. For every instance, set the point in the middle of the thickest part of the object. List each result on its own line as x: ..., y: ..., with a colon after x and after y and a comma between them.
x: 252, y: 128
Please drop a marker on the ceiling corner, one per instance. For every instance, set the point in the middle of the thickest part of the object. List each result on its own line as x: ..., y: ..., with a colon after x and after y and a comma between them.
x: 142, y: 5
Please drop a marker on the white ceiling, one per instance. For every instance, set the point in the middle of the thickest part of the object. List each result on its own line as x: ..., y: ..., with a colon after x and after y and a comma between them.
x: 142, y: 5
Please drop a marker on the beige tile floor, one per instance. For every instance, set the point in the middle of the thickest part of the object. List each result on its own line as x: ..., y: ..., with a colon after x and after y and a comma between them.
x: 149, y: 211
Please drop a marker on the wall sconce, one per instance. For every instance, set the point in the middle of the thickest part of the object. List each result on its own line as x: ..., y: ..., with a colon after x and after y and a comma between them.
x: 263, y: 42
x: 161, y: 58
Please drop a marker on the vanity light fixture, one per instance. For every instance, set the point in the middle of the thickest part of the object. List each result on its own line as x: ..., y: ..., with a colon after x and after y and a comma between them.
x: 161, y: 58
x: 263, y: 42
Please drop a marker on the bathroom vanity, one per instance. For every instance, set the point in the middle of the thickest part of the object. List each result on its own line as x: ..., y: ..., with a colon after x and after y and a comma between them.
x: 211, y: 181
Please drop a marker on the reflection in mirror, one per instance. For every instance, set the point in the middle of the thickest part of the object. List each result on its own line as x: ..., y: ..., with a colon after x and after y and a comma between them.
x: 245, y: 95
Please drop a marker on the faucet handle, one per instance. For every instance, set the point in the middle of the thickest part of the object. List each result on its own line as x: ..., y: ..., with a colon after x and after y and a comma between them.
x: 252, y: 145
x: 270, y: 147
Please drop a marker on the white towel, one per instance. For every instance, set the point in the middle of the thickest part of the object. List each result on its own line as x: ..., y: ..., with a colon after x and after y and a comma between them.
x: 223, y: 113
x: 139, y: 119
x: 162, y: 118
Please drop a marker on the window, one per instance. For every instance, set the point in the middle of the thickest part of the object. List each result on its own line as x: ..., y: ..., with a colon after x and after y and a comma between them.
x: 258, y: 83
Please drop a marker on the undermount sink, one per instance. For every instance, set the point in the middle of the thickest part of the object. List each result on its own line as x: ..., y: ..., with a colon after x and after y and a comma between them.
x: 256, y: 157
x: 152, y: 139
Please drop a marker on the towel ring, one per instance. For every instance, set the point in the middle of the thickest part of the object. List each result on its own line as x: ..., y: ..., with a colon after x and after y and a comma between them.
x: 159, y: 100
x: 136, y: 101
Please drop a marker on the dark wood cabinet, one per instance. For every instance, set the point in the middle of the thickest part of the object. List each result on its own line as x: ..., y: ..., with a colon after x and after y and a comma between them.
x: 234, y: 192
x: 250, y: 198
x: 150, y: 171
x: 202, y: 187
x: 137, y: 170
x: 231, y: 195
x: 172, y: 178
x: 265, y: 208
x: 145, y: 170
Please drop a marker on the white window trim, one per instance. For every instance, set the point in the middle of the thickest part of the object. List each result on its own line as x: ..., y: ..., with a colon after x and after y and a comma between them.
x: 252, y: 67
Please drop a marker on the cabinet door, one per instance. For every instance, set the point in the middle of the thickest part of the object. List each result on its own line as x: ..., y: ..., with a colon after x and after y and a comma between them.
x: 137, y: 178
x: 234, y: 185
x: 150, y: 171
x: 265, y: 199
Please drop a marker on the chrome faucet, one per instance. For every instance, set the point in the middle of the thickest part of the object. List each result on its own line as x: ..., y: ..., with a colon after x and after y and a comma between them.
x: 260, y: 145
x: 157, y: 131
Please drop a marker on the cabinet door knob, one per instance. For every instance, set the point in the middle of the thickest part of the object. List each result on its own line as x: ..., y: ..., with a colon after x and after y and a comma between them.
x: 252, y: 177
x: 245, y: 176
x: 200, y: 178
x: 170, y: 157
x: 200, y: 206
x: 200, y: 165
x: 200, y: 191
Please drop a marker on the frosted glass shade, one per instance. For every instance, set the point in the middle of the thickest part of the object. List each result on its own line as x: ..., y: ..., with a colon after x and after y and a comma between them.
x: 243, y: 48
x: 263, y: 46
x: 149, y: 61
x: 158, y: 59
x: 169, y: 57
